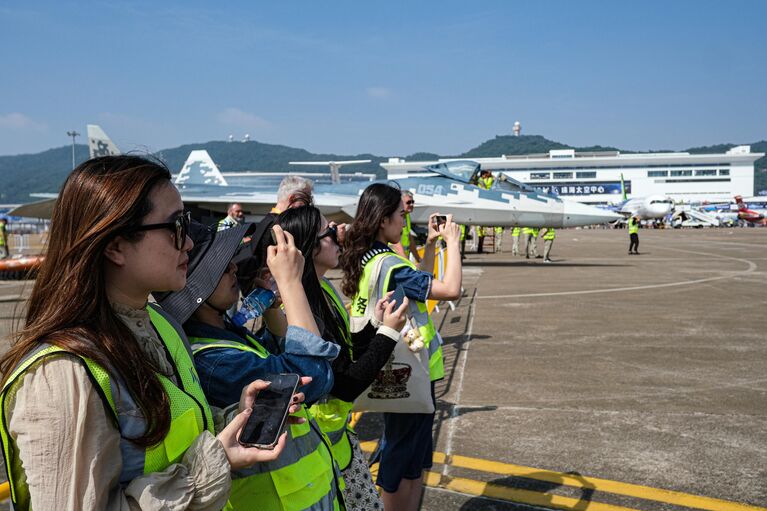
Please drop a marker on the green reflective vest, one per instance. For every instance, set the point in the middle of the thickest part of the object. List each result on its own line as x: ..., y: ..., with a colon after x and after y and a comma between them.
x: 486, y: 182
x: 190, y: 414
x: 633, y: 226
x: 417, y: 310
x: 2, y: 235
x: 302, y: 478
x: 331, y: 413
x: 550, y: 235
x: 405, y: 238
x: 515, y: 232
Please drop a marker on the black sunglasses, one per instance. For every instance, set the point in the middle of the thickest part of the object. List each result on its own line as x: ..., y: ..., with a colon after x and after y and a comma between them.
x: 410, y: 202
x: 179, y: 227
x: 331, y: 231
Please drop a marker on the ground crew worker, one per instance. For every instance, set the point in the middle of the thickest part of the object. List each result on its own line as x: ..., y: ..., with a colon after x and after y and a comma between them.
x: 234, y: 216
x: 3, y: 239
x: 531, y: 242
x: 463, y: 242
x: 485, y: 181
x: 634, y: 235
x: 515, y: 241
x: 548, y: 241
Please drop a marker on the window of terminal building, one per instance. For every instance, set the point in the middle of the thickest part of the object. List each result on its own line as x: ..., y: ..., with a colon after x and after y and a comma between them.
x: 657, y: 173
x: 563, y: 175
x: 705, y: 172
x: 540, y: 175
x: 586, y: 175
x: 677, y: 173
x: 724, y: 172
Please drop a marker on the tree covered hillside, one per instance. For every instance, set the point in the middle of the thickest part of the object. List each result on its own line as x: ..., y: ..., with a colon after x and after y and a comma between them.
x: 45, y: 172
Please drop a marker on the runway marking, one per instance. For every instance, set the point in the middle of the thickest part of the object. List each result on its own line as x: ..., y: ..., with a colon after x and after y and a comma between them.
x: 464, y: 354
x: 731, y: 274
x: 497, y: 491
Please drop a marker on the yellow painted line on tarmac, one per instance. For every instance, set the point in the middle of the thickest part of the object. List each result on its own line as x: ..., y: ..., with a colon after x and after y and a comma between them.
x: 500, y: 492
x: 560, y: 478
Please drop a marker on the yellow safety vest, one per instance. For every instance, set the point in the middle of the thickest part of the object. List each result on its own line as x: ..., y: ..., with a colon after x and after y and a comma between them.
x: 515, y: 232
x: 550, y: 235
x: 190, y: 413
x: 486, y: 182
x: 417, y: 310
x: 302, y: 478
x: 405, y: 238
x: 331, y: 413
x: 633, y: 226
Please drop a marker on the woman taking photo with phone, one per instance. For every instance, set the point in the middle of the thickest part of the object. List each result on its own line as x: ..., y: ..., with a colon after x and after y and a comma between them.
x: 368, y: 263
x: 362, y: 354
x: 226, y: 355
x: 100, y: 401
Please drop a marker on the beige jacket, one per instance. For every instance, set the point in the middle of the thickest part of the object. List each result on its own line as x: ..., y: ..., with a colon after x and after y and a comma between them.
x: 69, y: 447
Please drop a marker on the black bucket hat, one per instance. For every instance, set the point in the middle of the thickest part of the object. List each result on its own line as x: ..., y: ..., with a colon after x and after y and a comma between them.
x: 207, y: 262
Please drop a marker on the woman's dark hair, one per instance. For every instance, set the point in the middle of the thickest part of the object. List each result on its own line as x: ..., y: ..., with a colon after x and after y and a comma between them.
x: 377, y: 202
x: 304, y: 223
x: 101, y: 199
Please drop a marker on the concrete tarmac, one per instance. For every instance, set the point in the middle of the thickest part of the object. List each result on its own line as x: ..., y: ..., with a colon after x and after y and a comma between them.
x: 647, y: 369
x: 608, y: 381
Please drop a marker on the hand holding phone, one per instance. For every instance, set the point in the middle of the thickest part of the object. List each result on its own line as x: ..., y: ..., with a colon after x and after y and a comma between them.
x: 440, y: 220
x: 398, y: 295
x: 270, y: 412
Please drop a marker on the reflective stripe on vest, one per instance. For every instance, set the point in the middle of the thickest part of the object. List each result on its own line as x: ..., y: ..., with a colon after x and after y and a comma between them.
x: 303, y: 477
x: 550, y: 235
x: 406, y: 230
x: 331, y: 413
x: 515, y: 232
x: 633, y: 226
x: 190, y: 414
x: 417, y: 310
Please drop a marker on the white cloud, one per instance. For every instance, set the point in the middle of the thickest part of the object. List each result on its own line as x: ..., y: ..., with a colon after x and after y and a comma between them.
x: 236, y: 118
x: 378, y: 92
x: 20, y: 122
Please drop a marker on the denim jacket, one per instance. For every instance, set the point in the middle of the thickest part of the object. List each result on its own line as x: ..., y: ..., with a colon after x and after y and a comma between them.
x: 225, y: 371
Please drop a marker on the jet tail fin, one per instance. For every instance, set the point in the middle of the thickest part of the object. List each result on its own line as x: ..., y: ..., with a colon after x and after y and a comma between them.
x: 199, y: 169
x: 623, y: 189
x: 99, y: 144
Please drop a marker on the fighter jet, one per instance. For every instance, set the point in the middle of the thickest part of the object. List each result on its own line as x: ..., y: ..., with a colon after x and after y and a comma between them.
x: 446, y: 188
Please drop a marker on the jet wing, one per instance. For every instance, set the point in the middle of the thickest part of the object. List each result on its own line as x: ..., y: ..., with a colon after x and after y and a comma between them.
x: 38, y: 209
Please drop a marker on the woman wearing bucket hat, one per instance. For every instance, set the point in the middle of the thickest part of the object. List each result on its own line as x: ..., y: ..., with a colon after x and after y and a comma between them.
x: 101, y: 407
x: 362, y: 354
x: 304, y: 477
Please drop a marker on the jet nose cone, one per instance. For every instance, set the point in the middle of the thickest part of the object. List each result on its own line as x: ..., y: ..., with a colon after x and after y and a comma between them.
x: 577, y: 214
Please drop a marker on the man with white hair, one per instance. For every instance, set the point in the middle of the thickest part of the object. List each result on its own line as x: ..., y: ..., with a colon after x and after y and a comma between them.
x: 293, y: 191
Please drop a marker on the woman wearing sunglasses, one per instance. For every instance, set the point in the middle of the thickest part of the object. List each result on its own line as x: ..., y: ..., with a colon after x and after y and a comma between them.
x: 371, y: 269
x: 101, y: 406
x: 362, y: 354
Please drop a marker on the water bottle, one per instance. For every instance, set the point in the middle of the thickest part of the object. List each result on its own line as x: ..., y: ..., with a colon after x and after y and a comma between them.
x: 254, y: 305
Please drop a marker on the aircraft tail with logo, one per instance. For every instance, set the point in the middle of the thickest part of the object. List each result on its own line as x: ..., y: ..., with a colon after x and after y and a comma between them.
x: 199, y: 169
x: 99, y: 144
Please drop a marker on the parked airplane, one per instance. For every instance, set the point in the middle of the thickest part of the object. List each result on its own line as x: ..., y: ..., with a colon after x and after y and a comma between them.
x: 447, y: 188
x: 749, y: 215
x: 650, y: 207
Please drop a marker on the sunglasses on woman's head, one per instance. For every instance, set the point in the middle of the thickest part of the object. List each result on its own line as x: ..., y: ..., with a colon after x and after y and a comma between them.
x: 179, y: 227
x: 331, y: 231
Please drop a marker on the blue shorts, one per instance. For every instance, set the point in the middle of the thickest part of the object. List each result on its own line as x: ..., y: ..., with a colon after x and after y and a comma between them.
x: 406, y: 447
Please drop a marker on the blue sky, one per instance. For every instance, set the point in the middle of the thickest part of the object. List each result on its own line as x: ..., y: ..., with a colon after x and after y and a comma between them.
x: 388, y: 77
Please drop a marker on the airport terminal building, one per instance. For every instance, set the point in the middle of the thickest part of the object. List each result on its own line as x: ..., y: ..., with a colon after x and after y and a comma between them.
x: 595, y: 177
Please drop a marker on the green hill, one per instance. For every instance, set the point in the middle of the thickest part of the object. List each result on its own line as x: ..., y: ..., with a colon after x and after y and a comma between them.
x: 45, y: 172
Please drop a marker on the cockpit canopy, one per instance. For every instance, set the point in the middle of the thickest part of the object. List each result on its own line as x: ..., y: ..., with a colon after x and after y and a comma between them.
x: 462, y: 170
